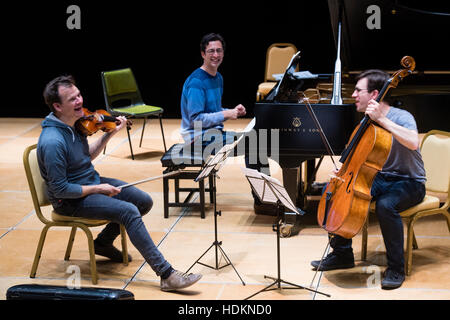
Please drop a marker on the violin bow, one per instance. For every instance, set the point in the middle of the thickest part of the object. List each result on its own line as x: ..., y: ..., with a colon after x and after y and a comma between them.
x: 173, y: 173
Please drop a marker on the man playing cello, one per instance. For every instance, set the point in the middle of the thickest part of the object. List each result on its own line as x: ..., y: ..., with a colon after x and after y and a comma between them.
x: 398, y: 186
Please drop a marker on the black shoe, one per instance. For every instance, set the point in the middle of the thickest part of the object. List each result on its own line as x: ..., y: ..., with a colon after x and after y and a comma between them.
x: 109, y: 251
x: 334, y: 261
x: 392, y: 279
x: 265, y: 209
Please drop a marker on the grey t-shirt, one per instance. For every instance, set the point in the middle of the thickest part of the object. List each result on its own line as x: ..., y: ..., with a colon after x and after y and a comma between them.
x: 403, y: 162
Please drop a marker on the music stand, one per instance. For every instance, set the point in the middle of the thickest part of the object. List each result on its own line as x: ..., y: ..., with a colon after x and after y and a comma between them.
x: 212, y: 166
x: 270, y: 190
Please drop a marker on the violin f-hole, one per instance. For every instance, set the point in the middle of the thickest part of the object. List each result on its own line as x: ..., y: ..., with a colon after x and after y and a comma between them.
x: 327, y: 208
x: 347, y: 189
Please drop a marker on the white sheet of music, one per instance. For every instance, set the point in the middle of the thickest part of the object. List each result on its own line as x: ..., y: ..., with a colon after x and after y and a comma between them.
x: 276, y: 191
x: 250, y: 126
x: 298, y: 75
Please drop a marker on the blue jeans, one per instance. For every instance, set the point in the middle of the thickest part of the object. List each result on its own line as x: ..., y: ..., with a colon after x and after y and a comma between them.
x: 125, y: 208
x: 392, y: 196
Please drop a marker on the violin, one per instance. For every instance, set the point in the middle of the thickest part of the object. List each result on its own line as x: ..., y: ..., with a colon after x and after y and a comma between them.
x: 344, y: 205
x: 91, y: 122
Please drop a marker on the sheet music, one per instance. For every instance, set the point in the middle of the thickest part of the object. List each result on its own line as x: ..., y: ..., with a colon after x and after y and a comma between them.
x: 298, y: 75
x: 218, y: 160
x: 250, y: 126
x: 271, y: 194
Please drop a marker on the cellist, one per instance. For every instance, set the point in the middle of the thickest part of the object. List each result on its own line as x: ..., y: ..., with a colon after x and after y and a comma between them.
x: 398, y: 186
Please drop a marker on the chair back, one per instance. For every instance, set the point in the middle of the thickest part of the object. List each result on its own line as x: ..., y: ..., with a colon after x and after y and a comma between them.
x: 37, y: 185
x: 435, y: 150
x: 120, y: 89
x: 278, y: 57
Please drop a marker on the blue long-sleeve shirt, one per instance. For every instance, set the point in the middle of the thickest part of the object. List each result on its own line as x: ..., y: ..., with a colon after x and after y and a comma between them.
x: 201, y: 101
x: 64, y: 160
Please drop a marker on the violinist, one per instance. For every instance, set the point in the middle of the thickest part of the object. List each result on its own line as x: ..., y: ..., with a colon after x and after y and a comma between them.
x: 75, y: 188
x: 398, y: 186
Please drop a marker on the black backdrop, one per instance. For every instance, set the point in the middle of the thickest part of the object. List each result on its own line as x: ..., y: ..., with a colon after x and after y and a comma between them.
x: 159, y: 41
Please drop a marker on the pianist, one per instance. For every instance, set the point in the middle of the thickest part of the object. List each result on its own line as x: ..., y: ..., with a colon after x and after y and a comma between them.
x: 397, y: 187
x: 203, y: 115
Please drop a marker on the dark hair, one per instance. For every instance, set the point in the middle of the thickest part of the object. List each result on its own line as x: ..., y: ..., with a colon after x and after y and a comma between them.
x: 51, y: 94
x: 211, y: 37
x: 375, y: 79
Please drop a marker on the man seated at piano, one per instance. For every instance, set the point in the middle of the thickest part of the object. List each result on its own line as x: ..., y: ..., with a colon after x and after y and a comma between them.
x: 398, y: 186
x: 203, y: 115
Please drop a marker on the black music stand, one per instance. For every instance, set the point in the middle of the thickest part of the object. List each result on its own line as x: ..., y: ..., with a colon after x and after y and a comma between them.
x: 211, y: 168
x: 270, y: 190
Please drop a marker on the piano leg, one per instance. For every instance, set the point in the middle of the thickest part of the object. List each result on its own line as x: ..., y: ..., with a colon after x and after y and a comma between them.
x: 294, y: 184
x: 291, y: 182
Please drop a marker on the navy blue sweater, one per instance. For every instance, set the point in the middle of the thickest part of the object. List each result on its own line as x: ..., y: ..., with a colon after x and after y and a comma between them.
x: 64, y: 160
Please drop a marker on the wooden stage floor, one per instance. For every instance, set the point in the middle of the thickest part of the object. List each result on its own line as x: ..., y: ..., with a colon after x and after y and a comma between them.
x: 247, y: 238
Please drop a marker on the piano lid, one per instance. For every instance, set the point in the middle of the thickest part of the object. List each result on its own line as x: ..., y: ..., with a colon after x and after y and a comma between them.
x: 378, y: 33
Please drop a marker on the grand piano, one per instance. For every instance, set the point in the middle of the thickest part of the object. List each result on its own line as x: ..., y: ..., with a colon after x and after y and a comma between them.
x: 361, y: 45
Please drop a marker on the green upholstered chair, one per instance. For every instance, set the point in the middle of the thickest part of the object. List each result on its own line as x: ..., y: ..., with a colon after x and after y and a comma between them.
x: 123, y: 98
x: 38, y: 190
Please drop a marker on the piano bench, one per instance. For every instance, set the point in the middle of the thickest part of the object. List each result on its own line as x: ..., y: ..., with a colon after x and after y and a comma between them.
x: 190, y: 167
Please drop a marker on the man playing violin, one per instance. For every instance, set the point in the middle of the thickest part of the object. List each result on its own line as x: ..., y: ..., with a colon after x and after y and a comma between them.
x: 75, y: 188
x: 398, y: 186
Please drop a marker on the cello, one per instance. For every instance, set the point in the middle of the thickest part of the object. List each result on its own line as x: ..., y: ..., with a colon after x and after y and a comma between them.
x: 344, y: 204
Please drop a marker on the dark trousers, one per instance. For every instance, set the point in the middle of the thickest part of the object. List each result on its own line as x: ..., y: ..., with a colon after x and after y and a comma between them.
x: 211, y: 144
x: 392, y: 196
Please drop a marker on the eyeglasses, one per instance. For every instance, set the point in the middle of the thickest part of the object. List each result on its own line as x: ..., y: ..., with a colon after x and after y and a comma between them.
x: 211, y: 51
x: 358, y: 90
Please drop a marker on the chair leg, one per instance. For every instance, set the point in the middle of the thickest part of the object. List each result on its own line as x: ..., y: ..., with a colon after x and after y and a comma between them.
x: 415, y: 246
x: 129, y: 140
x: 70, y: 243
x: 166, y: 197
x: 37, y: 256
x: 162, y: 132
x: 93, y: 263
x: 447, y: 216
x: 177, y: 189
x: 364, y: 239
x: 409, y: 246
x: 142, y: 133
x: 123, y: 234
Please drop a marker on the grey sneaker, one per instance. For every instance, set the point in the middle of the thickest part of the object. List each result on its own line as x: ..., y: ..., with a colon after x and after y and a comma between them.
x: 179, y: 280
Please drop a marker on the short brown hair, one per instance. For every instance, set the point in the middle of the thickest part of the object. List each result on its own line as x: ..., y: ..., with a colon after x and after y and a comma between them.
x: 375, y: 79
x: 51, y: 94
x: 211, y: 37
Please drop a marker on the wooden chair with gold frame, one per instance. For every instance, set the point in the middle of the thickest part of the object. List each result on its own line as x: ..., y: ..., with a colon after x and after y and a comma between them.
x: 435, y: 150
x: 278, y: 56
x: 38, y: 190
